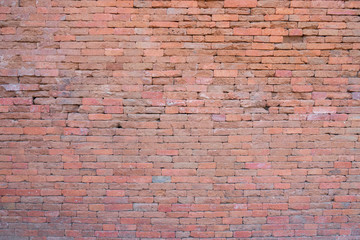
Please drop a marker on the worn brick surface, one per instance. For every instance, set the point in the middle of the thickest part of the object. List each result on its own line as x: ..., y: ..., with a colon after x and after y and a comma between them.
x: 171, y: 119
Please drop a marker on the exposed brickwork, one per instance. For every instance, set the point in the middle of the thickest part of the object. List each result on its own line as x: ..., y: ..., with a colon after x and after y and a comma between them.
x: 178, y: 119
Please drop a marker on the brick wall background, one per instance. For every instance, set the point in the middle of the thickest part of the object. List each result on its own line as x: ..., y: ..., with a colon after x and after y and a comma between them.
x: 179, y: 119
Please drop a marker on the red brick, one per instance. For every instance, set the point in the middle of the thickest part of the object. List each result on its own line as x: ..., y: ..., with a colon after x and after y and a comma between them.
x: 347, y: 198
x: 5, y: 9
x: 278, y: 219
x: 140, y: 179
x: 101, y: 31
x: 247, y: 31
x: 118, y: 207
x: 107, y: 234
x: 341, y: 12
x: 28, y: 192
x: 276, y: 39
x: 324, y: 109
x: 35, y: 130
x: 113, y: 101
x: 92, y: 52
x: 207, y: 165
x: 335, y: 81
x: 50, y: 192
x: 295, y: 32
x: 109, y: 227
x: 240, y: 138
x: 114, y: 52
x: 73, y: 193
x: 283, y: 73
x: 284, y: 233
x: 242, y: 3
x: 299, y: 199
x: 225, y: 73
x: 47, y: 72
x: 100, y: 117
x: 115, y: 193
x: 258, y: 165
x: 4, y: 108
x: 92, y: 101
x: 274, y: 32
x: 11, y: 130
x: 342, y: 164
x: 140, y: 234
x: 113, y: 109
x: 64, y: 38
x: 242, y: 234
x: 178, y: 172
x: 152, y: 95
x: 329, y: 185
x: 167, y: 152
x: 76, y: 131
x: 305, y: 232
x: 302, y: 88
x: 8, y: 30
x: 223, y: 17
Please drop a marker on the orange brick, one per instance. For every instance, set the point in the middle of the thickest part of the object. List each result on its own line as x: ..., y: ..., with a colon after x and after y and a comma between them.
x: 76, y: 131
x: 73, y: 193
x: 8, y: 30
x: 35, y: 130
x: 11, y: 130
x: 302, y: 88
x: 113, y: 109
x: 114, y: 52
x: 225, y: 73
x: 240, y: 138
x: 243, y: 3
x: 100, y: 117
x: 247, y: 31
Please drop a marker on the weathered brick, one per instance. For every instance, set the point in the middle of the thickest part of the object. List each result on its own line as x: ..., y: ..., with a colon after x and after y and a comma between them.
x: 161, y: 179
x: 295, y: 32
x: 35, y: 130
x: 242, y: 3
x: 247, y: 31
x: 225, y: 73
x: 178, y: 172
x: 100, y: 117
x: 283, y: 73
x: 11, y: 130
x: 76, y: 131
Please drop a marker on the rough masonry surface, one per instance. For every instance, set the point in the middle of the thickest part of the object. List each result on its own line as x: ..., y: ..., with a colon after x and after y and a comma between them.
x: 208, y: 119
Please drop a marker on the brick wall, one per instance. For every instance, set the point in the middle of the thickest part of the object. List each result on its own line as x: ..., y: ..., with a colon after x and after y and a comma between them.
x: 179, y: 119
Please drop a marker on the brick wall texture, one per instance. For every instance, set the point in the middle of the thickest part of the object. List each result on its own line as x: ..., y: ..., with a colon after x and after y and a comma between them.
x: 171, y: 119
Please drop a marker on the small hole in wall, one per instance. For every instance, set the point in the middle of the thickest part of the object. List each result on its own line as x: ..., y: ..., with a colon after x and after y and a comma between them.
x: 293, y: 39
